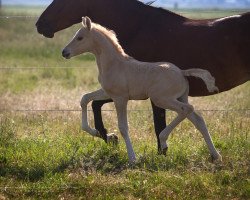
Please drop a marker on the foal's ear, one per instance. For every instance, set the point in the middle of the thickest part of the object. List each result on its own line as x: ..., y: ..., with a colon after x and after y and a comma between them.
x: 86, y: 22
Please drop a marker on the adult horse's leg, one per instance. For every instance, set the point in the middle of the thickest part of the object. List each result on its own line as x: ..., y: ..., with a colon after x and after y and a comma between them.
x: 97, y: 110
x: 159, y: 116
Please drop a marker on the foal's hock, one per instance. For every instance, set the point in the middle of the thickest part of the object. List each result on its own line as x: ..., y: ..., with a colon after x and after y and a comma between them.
x: 123, y: 78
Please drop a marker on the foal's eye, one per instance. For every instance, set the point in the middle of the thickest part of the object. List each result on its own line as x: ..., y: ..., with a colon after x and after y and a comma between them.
x: 79, y: 38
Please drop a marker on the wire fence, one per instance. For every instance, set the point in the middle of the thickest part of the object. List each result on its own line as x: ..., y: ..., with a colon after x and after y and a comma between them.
x: 105, y: 110
x: 42, y: 68
x: 112, y: 110
x: 19, y: 17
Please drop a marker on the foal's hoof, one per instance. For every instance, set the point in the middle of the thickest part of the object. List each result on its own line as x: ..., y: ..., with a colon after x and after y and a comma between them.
x: 132, y: 163
x: 163, y: 151
x: 216, y: 159
x: 112, y: 139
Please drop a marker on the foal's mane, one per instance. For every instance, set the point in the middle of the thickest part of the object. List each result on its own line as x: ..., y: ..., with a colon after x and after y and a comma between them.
x: 111, y: 36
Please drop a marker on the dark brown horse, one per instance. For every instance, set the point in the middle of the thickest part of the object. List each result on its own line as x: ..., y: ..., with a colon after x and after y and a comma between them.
x: 221, y: 46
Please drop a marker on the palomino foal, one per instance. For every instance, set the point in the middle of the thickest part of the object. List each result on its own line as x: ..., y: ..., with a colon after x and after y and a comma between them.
x: 123, y: 78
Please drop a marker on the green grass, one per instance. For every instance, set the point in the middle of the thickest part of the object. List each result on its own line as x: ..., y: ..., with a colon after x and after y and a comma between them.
x: 48, y: 157
x: 45, y: 155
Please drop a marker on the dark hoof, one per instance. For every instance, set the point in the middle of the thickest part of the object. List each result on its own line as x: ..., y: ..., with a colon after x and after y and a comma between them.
x: 112, y: 139
x: 163, y: 151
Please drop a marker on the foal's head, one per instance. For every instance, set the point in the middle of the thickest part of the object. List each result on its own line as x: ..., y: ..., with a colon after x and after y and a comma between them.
x: 81, y: 42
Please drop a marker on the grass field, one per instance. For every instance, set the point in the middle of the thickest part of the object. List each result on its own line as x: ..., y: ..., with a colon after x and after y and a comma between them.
x: 45, y: 155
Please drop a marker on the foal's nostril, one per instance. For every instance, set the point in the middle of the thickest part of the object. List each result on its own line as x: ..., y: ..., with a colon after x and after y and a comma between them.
x: 65, y: 54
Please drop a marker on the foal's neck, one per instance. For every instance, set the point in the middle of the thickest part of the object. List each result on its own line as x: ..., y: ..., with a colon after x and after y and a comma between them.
x: 106, y: 52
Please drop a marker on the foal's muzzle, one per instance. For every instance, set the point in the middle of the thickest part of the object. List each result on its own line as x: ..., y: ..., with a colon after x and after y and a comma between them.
x: 66, y: 54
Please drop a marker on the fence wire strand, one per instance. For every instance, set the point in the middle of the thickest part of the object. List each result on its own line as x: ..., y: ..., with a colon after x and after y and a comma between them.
x: 18, y: 17
x: 112, y: 110
x: 35, y: 68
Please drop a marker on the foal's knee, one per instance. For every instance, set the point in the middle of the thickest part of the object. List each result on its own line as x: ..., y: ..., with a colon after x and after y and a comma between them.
x: 84, y: 101
x: 187, y: 109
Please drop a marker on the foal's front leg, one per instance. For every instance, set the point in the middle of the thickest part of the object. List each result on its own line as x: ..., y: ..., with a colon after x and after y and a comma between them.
x: 121, y: 109
x: 96, y: 95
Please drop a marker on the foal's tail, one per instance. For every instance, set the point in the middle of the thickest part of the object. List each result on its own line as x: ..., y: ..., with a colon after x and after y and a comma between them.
x: 205, y: 76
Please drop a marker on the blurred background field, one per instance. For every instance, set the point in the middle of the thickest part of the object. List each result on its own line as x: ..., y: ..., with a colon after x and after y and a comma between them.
x: 44, y: 154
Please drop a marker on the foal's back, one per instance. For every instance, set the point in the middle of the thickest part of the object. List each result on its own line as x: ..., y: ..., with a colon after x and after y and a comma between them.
x: 151, y: 80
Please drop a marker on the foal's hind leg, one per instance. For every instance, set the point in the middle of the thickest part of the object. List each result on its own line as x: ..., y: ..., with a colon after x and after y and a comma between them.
x: 182, y: 109
x: 199, y: 123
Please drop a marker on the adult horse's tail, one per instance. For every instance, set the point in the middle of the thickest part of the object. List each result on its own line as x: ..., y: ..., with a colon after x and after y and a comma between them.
x: 205, y: 76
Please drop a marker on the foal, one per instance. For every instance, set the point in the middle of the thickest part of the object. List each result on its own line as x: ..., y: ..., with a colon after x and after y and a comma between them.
x: 123, y: 78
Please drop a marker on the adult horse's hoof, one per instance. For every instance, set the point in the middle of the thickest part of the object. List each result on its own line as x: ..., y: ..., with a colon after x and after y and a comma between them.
x: 112, y: 139
x: 216, y: 159
x: 163, y: 151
